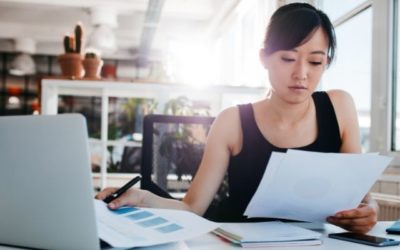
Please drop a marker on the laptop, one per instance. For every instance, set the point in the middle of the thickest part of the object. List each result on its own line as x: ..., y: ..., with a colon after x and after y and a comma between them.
x: 46, y: 190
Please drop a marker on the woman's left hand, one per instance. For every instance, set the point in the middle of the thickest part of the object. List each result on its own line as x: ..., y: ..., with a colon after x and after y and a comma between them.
x: 359, y: 220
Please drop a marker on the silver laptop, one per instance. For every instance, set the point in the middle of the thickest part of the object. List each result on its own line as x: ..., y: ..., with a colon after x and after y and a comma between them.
x: 46, y: 193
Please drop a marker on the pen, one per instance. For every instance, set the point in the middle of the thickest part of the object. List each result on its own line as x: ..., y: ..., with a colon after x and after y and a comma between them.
x: 122, y: 190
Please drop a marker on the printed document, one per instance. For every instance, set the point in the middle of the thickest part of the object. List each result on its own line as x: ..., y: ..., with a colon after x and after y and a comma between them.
x: 134, y: 227
x: 310, y: 186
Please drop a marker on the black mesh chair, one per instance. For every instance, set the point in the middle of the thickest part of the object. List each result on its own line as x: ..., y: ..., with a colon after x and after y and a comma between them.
x: 172, y: 149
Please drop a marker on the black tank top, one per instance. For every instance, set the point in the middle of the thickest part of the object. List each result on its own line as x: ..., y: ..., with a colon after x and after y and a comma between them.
x: 246, y: 169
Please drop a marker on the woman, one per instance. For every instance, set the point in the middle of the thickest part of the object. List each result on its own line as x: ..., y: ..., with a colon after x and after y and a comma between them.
x: 298, y: 47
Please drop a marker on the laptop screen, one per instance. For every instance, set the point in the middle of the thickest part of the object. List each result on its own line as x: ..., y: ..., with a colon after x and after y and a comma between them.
x: 45, y: 183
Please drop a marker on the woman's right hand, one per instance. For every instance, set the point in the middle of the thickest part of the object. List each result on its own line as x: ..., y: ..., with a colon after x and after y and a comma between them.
x: 132, y: 197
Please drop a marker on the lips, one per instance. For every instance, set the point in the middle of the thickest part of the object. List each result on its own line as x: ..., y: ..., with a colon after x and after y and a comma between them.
x: 297, y: 87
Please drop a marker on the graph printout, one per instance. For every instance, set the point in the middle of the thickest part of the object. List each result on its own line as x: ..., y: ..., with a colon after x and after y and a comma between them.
x: 134, y: 227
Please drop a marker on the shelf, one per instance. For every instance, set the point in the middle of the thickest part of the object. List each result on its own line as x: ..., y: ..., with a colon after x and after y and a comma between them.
x: 216, y: 98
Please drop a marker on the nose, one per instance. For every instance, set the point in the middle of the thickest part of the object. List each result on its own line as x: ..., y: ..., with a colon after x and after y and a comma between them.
x: 301, y: 71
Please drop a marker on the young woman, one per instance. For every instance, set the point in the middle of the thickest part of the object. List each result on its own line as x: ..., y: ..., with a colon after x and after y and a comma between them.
x: 298, y: 47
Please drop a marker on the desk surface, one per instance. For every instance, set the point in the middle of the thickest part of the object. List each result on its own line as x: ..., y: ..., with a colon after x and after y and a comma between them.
x: 210, y: 241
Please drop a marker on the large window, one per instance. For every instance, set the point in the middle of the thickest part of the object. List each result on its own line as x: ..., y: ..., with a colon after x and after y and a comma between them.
x: 396, y: 116
x: 336, y: 9
x: 352, y: 69
x: 237, y: 42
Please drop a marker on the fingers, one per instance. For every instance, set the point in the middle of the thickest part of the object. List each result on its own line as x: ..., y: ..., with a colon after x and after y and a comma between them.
x: 357, y: 228
x: 365, y: 221
x: 105, y: 192
x: 360, y: 225
x: 133, y: 197
x: 361, y: 219
x: 360, y: 212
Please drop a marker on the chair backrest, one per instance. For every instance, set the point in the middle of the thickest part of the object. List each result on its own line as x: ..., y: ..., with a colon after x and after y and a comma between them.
x: 172, y: 149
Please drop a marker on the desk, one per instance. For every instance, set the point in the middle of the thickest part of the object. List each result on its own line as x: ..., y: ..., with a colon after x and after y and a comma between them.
x: 211, y: 242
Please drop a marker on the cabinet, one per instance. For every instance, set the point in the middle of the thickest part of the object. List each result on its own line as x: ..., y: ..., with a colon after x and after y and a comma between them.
x: 114, y: 111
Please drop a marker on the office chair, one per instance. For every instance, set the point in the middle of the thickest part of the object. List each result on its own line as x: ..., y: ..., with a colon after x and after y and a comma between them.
x: 172, y: 149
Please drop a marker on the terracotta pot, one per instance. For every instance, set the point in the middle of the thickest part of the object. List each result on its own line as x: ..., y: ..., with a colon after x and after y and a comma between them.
x: 71, y: 65
x: 109, y: 71
x: 92, y: 67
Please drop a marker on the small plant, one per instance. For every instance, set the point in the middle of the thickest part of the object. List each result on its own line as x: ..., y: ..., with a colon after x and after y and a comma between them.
x: 91, y: 55
x: 74, y: 43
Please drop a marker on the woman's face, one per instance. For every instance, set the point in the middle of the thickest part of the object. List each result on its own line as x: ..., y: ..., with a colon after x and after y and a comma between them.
x: 294, y: 74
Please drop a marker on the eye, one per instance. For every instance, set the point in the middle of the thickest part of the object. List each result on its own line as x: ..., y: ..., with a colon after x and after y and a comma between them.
x: 315, y: 63
x: 287, y: 59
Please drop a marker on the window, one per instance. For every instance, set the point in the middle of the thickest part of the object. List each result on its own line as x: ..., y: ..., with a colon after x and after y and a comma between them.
x: 338, y: 8
x: 237, y: 44
x: 396, y: 115
x: 352, y: 69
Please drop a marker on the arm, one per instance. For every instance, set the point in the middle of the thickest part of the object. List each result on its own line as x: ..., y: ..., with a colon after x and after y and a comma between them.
x: 363, y: 218
x: 221, y: 138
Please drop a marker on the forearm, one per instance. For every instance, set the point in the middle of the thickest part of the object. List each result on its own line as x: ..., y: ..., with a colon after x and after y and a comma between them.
x: 154, y: 201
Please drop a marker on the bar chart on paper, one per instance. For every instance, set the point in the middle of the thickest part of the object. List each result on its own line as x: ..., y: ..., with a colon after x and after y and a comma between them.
x: 132, y: 227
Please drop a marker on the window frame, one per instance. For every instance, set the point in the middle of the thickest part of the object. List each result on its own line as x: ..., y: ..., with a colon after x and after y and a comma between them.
x: 383, y: 73
x: 383, y: 100
x: 345, y: 18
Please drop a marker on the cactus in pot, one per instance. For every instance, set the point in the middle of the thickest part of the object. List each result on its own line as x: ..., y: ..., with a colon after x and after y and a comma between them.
x: 78, y: 38
x: 71, y: 61
x: 74, y: 43
x: 92, y: 64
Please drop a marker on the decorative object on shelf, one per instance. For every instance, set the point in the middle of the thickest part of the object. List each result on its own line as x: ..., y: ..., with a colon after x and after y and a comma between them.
x: 71, y: 61
x: 23, y: 63
x: 102, y: 37
x: 109, y: 71
x: 92, y: 64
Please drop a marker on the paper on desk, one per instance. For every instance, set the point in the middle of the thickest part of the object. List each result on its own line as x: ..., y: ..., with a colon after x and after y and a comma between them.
x: 271, y: 233
x: 311, y: 186
x: 134, y: 227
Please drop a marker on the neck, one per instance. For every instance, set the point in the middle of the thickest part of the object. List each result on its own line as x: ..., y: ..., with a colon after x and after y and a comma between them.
x: 288, y: 113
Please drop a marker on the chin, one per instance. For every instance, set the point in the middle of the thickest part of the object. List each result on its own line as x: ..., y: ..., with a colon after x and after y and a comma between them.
x: 297, y: 99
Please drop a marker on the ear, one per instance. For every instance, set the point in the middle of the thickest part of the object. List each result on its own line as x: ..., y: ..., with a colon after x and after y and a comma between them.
x: 263, y: 58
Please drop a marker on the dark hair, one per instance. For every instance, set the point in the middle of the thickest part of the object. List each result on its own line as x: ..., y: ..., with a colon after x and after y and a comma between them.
x: 293, y: 24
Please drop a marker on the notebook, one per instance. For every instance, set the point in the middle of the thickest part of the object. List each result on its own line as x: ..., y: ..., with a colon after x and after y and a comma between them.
x: 46, y: 192
x: 271, y: 233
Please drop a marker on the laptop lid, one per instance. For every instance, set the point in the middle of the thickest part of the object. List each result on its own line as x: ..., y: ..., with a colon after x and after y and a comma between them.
x: 46, y: 188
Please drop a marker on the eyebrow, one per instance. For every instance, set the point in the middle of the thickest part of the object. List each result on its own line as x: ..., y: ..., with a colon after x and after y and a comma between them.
x: 320, y: 52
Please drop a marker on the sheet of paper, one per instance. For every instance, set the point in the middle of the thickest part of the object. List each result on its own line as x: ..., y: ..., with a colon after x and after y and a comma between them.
x: 311, y: 186
x: 134, y: 227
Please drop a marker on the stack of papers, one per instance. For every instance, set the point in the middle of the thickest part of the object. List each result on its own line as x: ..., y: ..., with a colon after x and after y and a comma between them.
x: 274, y: 233
x: 133, y: 227
x: 310, y: 186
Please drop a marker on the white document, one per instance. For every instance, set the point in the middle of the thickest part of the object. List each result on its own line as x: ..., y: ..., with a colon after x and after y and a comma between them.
x: 272, y: 233
x: 134, y: 227
x: 310, y: 186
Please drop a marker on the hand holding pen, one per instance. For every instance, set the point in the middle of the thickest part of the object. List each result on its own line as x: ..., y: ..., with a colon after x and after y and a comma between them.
x: 122, y: 190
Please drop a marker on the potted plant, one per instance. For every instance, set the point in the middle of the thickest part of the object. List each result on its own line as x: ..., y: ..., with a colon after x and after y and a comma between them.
x: 92, y: 64
x: 71, y: 60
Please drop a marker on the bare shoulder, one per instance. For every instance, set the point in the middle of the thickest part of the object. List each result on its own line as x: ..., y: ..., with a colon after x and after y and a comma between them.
x: 227, y: 119
x: 226, y: 129
x: 347, y: 118
x: 340, y: 97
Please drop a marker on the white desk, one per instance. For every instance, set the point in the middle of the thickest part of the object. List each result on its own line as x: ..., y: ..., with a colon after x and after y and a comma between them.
x: 211, y: 242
